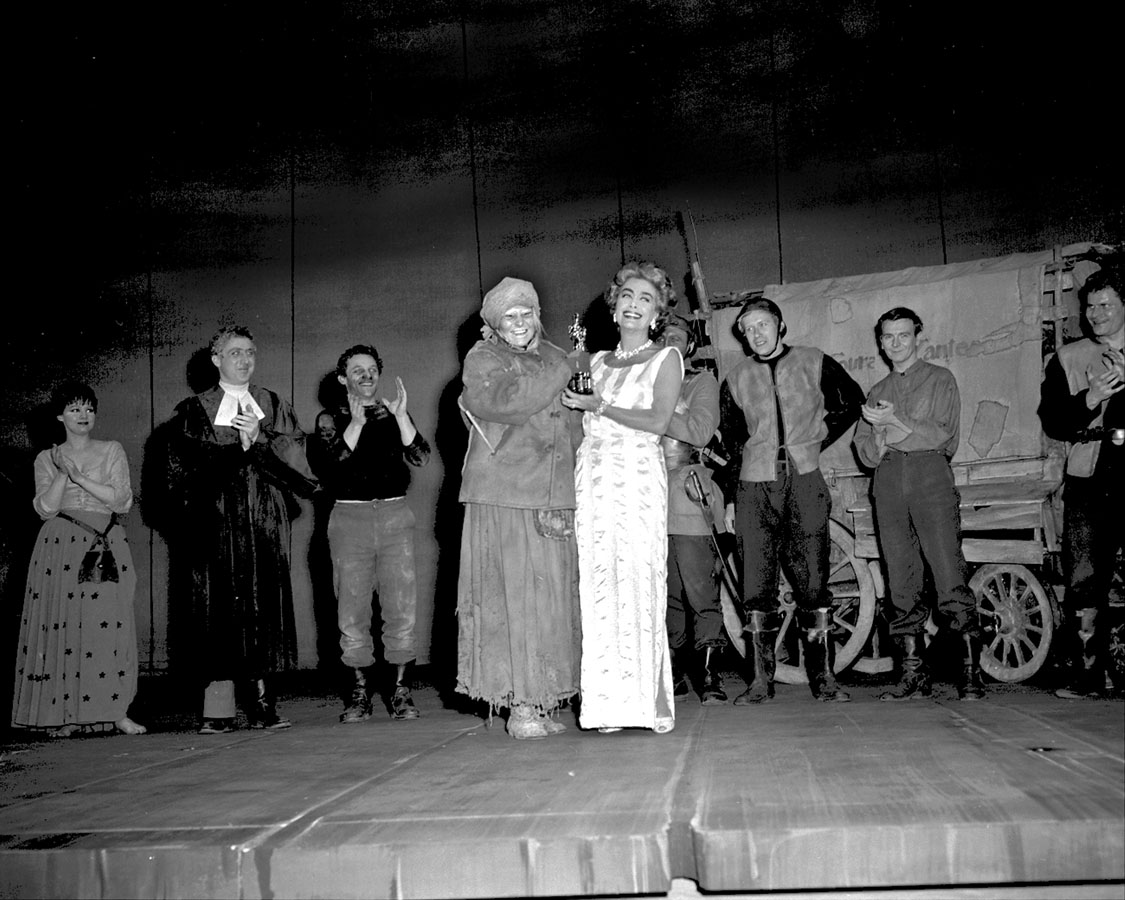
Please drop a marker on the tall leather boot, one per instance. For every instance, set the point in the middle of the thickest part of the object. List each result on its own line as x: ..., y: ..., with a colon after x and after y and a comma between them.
x: 820, y: 654
x: 402, y: 704
x: 359, y: 708
x: 914, y: 682
x: 712, y: 692
x: 1085, y: 663
x: 263, y: 713
x: 680, y: 685
x: 971, y: 687
x: 761, y: 664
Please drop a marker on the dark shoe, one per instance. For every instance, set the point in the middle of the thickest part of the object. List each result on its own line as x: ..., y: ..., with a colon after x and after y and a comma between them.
x: 1084, y: 662
x: 712, y: 693
x: 359, y: 708
x: 681, y: 687
x: 820, y: 656
x: 263, y: 714
x: 217, y: 726
x: 915, y: 683
x: 971, y: 687
x: 761, y: 664
x: 402, y: 705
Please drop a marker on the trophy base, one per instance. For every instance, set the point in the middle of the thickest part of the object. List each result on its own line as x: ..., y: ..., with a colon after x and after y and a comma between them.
x: 580, y: 383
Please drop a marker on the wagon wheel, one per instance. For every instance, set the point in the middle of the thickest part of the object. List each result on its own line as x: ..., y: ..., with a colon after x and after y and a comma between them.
x: 1018, y: 620
x: 853, y: 608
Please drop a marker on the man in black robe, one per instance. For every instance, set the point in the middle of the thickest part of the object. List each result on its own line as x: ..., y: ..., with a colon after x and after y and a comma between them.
x: 238, y: 459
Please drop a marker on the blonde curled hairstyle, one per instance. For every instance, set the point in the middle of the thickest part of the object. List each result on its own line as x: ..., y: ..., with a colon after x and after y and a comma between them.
x: 654, y: 275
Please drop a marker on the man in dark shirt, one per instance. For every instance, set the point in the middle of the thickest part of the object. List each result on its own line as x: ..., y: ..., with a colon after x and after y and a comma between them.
x: 778, y: 409
x: 364, y: 466
x: 910, y: 429
x: 1083, y: 403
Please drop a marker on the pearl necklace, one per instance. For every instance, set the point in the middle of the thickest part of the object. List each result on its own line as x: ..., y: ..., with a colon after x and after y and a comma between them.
x: 629, y: 354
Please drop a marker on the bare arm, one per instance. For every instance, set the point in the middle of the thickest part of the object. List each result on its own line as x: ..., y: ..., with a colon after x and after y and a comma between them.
x: 654, y: 419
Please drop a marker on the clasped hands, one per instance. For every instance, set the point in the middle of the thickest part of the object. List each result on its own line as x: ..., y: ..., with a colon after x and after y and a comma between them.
x: 881, y: 417
x: 246, y: 424
x: 65, y: 464
x: 396, y: 407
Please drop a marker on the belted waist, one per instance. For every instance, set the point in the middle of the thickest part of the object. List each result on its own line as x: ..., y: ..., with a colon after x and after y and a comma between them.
x: 676, y: 453
x: 374, y: 500
x: 900, y: 453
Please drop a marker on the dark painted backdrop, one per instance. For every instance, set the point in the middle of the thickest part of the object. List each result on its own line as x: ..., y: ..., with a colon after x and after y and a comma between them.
x: 334, y: 172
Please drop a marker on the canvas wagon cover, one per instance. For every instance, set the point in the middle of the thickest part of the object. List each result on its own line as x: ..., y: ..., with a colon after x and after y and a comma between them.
x: 982, y: 319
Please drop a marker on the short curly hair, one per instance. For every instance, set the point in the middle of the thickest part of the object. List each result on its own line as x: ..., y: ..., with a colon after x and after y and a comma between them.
x: 355, y: 350
x: 223, y: 337
x: 654, y: 275
x: 1108, y: 277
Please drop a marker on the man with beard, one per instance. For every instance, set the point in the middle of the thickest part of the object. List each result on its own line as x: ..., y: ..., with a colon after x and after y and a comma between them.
x: 365, y: 466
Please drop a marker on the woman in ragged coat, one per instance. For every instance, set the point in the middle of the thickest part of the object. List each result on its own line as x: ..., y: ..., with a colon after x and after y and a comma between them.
x: 517, y: 599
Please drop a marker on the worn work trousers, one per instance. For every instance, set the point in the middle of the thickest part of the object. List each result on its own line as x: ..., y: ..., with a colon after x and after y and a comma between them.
x: 917, y: 514
x: 1092, y: 537
x: 372, y: 546
x: 784, y: 521
x: 693, y: 592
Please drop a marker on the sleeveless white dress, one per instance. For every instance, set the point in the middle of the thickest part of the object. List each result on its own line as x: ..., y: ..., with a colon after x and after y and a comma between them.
x: 621, y: 527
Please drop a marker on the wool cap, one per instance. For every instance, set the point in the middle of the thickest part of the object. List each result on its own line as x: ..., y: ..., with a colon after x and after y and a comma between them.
x: 509, y: 293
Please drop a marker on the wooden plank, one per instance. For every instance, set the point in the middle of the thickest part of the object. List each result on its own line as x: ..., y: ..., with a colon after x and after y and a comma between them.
x: 981, y: 550
x: 794, y: 795
x: 934, y: 794
x: 1002, y: 516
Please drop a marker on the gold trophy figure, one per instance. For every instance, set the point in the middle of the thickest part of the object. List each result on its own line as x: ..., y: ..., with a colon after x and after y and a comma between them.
x: 579, y: 381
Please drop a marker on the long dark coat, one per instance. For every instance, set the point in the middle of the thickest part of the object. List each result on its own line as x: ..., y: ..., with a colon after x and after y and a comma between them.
x: 238, y: 505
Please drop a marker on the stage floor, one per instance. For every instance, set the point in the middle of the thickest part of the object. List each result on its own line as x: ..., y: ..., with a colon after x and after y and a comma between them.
x: 1020, y: 795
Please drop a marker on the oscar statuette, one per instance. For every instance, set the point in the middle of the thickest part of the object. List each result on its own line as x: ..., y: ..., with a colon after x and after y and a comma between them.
x: 579, y: 381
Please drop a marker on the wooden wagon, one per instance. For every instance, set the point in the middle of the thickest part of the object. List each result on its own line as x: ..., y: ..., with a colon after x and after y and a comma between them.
x: 992, y: 322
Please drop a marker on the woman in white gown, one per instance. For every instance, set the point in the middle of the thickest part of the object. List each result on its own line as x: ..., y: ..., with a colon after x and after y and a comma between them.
x: 620, y: 519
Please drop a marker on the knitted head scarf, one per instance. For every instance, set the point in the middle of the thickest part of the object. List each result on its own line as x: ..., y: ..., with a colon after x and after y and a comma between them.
x: 509, y: 293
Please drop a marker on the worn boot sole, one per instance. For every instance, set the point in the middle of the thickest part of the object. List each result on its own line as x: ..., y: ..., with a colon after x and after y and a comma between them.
x: 753, y: 696
x: 904, y: 696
